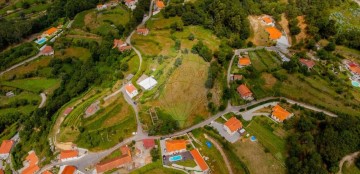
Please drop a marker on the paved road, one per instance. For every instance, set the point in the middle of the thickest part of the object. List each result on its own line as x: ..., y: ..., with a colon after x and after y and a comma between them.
x: 43, y: 100
x: 216, y: 144
x: 21, y: 63
x: 349, y: 157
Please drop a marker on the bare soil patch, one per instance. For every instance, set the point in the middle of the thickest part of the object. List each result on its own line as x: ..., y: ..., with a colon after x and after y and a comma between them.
x: 284, y: 23
x: 302, y: 24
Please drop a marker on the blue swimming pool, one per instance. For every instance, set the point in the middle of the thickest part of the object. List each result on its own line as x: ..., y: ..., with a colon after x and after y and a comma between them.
x: 41, y: 40
x: 253, y: 138
x: 175, y: 158
x: 355, y: 83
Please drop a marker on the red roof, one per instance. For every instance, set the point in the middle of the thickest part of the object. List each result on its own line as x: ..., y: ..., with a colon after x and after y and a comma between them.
x: 67, y: 111
x: 280, y: 113
x: 160, y: 4
x: 116, y: 162
x: 129, y: 1
x: 233, y: 124
x: 6, y: 146
x: 47, y: 50
x: 307, y: 62
x: 1, y: 171
x: 199, y: 160
x: 125, y: 48
x: 32, y: 169
x: 47, y: 172
x: 69, y: 170
x: 148, y: 143
x: 68, y: 154
x: 118, y: 42
x: 175, y: 145
x: 142, y: 30
x: 244, y: 91
x: 33, y: 160
x: 130, y: 88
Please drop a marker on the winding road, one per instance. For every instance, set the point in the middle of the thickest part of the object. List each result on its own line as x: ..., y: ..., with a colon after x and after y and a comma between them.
x: 43, y: 100
x: 21, y: 63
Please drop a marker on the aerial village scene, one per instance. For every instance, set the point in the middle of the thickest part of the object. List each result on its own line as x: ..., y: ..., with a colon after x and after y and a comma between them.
x: 159, y: 118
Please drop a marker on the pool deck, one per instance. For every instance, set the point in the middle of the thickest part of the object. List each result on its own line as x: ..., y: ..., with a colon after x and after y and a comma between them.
x: 185, y: 156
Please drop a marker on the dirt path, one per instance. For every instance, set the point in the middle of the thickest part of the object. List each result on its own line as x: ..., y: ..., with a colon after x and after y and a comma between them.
x: 43, y: 100
x: 216, y: 144
x: 350, y: 158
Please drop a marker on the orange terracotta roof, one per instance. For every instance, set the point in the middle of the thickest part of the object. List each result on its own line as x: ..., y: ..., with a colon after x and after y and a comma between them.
x: 69, y: 170
x: 280, y: 113
x: 64, y: 154
x: 233, y: 124
x: 124, y: 48
x: 118, y: 42
x: 32, y: 158
x: 130, y: 88
x: 175, y: 145
x: 142, y: 30
x: 307, y: 62
x: 244, y: 61
x: 244, y: 91
x: 47, y: 172
x: 99, y: 6
x: 355, y: 69
x: 1, y: 171
x: 274, y: 33
x: 129, y: 1
x: 6, y: 146
x: 160, y: 4
x: 32, y: 169
x: 267, y: 20
x: 51, y: 31
x: 125, y: 150
x: 148, y: 143
x: 47, y: 50
x: 199, y: 160
x: 113, y: 163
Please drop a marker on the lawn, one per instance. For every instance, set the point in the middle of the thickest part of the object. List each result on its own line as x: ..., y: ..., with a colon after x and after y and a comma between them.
x: 155, y: 167
x: 189, y: 79
x: 36, y: 85
x: 350, y: 169
x: 263, y: 129
x: 346, y: 16
x: 77, y: 52
x: 29, y: 96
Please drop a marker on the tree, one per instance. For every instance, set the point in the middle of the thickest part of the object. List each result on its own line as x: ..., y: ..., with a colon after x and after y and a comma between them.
x: 124, y: 66
x: 330, y: 46
x: 155, y: 154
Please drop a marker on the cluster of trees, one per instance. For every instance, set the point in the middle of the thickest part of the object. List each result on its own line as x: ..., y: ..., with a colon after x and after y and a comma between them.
x: 18, y: 102
x: 16, y: 54
x: 319, y: 142
x: 202, y: 50
x: 9, y: 118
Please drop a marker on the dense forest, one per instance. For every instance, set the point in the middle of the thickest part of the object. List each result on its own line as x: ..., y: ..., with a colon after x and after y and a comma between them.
x: 319, y: 142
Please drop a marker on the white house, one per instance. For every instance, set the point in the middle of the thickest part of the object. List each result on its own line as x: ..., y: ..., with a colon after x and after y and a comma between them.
x: 148, y: 83
x: 101, y: 7
x: 5, y: 149
x: 131, y: 90
x: 131, y: 4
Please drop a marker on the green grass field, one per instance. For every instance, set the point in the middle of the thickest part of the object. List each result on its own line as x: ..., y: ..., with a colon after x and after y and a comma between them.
x: 263, y: 129
x: 346, y: 16
x: 78, y: 52
x: 350, y: 169
x: 155, y: 167
x: 32, y: 84
x: 29, y: 96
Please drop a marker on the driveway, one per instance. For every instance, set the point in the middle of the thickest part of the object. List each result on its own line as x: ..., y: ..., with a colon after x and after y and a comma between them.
x: 220, y: 128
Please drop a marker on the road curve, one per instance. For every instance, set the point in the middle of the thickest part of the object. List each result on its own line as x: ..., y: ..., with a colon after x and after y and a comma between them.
x: 21, y: 63
x: 216, y: 144
x: 349, y: 157
x: 43, y: 100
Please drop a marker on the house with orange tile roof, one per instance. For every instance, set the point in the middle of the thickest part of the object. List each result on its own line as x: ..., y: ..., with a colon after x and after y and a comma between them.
x: 274, y: 33
x: 2, y: 171
x: 307, y: 62
x: 142, y: 31
x: 68, y: 170
x: 280, y: 114
x: 148, y: 143
x: 244, y: 61
x: 268, y: 21
x: 30, y: 164
x: 121, y: 45
x: 232, y: 125
x: 199, y: 160
x: 118, y: 162
x: 47, y: 172
x: 235, y: 77
x: 66, y: 155
x: 159, y: 5
x: 354, y: 69
x: 245, y: 92
x: 68, y: 111
x: 5, y: 149
x: 131, y: 90
x: 175, y: 146
x: 47, y: 51
x: 100, y: 7
x: 51, y: 31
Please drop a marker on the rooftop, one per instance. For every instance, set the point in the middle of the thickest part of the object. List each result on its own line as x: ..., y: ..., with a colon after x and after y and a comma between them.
x: 148, y: 143
x: 6, y: 146
x: 280, y: 113
x: 244, y: 61
x: 160, y: 4
x: 69, y: 170
x: 50, y: 31
x: 307, y: 62
x: 244, y: 91
x: 267, y: 19
x: 274, y: 33
x: 130, y: 88
x: 47, y: 50
x: 199, y: 160
x: 175, y: 145
x: 233, y: 124
x: 64, y: 154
